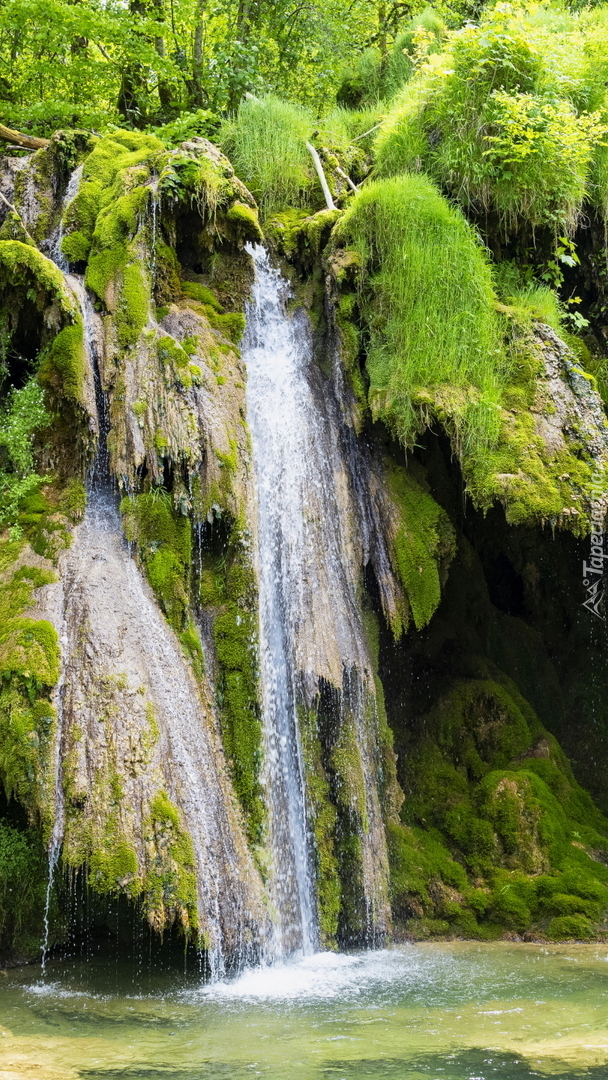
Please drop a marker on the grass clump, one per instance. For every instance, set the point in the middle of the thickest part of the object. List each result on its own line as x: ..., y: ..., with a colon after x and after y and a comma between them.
x: 428, y: 300
x: 266, y: 143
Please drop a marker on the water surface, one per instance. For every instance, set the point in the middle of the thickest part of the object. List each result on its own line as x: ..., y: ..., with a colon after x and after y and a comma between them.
x: 458, y: 1011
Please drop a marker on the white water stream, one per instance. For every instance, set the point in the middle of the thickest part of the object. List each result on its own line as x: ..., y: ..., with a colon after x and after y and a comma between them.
x: 309, y: 566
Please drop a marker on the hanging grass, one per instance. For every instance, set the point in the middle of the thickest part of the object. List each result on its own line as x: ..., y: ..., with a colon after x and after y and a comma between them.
x: 427, y: 298
x: 266, y: 143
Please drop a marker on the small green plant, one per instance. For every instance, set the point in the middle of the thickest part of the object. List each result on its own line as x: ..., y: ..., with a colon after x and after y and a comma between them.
x: 21, y: 416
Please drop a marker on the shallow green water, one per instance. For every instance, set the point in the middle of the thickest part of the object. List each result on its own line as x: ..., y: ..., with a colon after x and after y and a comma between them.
x: 421, y: 1012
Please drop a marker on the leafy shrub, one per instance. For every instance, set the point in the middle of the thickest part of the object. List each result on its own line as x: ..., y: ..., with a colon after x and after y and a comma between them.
x: 22, y: 891
x: 21, y: 416
x: 499, y: 121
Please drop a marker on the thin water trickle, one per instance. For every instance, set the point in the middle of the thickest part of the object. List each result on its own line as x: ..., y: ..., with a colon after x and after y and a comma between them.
x: 56, y: 238
x: 76, y: 285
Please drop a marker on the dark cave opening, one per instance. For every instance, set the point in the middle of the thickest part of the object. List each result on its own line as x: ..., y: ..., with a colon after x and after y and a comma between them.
x: 512, y: 604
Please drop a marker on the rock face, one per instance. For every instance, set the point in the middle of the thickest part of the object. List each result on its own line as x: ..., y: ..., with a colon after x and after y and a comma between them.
x: 147, y: 796
x: 569, y: 409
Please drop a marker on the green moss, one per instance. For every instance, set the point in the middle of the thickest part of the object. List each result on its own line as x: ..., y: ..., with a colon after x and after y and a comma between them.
x: 163, y: 539
x: 170, y: 894
x: 423, y: 545
x: 231, y: 325
x: 113, y: 866
x: 569, y: 927
x: 323, y: 819
x: 534, y: 482
x: 167, y: 274
x: 227, y: 590
x: 45, y: 514
x: 62, y: 364
x: 24, y: 267
x: 29, y: 668
x: 244, y: 220
x: 202, y: 294
x: 134, y: 306
x: 487, y: 787
x: 79, y: 221
x: 13, y: 229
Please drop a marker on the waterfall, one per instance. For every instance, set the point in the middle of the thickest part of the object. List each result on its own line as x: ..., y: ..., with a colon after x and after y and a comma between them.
x: 311, y: 634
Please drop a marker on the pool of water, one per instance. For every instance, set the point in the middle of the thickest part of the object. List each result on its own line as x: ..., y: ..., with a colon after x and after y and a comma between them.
x: 458, y: 1011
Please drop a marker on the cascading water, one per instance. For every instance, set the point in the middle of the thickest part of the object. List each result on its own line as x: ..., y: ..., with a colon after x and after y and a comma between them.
x: 54, y: 243
x: 310, y: 621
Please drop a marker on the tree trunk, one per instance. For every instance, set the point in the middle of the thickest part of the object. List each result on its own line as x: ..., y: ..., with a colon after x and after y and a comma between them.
x: 29, y: 142
x: 198, y: 94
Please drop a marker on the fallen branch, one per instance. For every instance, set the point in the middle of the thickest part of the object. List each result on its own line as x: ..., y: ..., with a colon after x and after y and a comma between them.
x: 318, y: 166
x: 14, y: 211
x: 375, y: 128
x: 28, y: 142
x: 9, y: 204
x: 345, y: 176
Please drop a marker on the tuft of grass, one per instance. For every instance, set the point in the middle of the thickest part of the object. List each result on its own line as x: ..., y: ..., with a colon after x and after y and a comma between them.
x: 530, y: 300
x: 266, y: 143
x: 428, y: 300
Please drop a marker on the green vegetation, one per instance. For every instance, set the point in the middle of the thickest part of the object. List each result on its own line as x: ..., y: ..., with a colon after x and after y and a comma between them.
x: 171, y: 895
x: 267, y: 146
x: 496, y: 832
x: 508, y: 119
x: 23, y: 415
x: 29, y: 668
x: 163, y: 539
x: 427, y: 298
x: 228, y: 591
x: 22, y: 891
x: 423, y: 546
x: 463, y: 159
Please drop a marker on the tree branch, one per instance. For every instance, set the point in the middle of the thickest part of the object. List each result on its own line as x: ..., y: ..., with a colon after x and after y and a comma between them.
x: 318, y: 166
x: 29, y: 142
